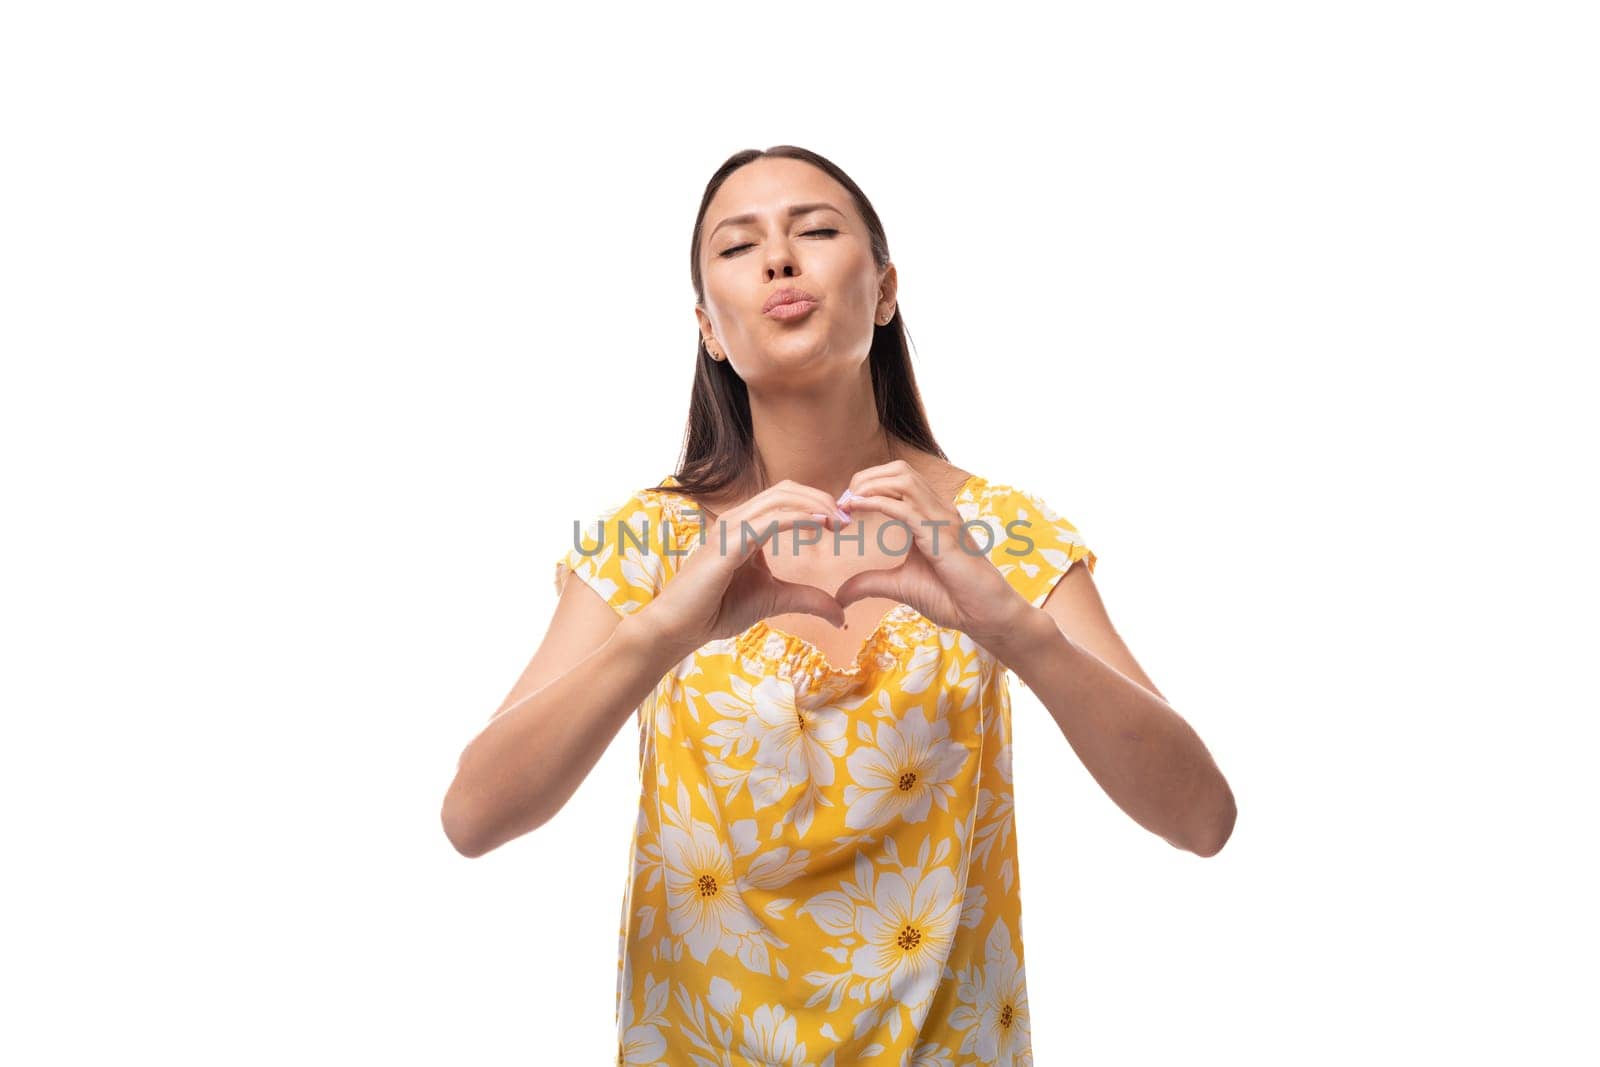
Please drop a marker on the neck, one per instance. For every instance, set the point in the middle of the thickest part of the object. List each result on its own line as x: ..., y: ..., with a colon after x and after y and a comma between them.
x: 820, y: 435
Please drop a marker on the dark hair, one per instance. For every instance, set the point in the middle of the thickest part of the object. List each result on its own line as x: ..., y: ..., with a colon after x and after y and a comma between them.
x: 718, y: 443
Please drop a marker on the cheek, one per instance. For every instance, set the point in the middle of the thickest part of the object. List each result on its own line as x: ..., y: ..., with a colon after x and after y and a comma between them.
x: 718, y: 301
x: 852, y: 279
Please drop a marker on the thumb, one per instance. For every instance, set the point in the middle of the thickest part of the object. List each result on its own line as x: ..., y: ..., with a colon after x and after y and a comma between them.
x: 797, y: 596
x: 882, y: 583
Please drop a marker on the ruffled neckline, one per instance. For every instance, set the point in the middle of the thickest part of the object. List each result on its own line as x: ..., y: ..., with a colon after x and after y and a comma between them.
x: 891, y: 641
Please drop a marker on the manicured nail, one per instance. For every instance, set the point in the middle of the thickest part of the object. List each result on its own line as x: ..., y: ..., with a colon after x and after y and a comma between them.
x: 844, y: 517
x: 844, y: 498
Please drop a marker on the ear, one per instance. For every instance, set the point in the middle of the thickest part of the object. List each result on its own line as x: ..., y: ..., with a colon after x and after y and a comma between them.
x: 888, y: 285
x: 703, y: 324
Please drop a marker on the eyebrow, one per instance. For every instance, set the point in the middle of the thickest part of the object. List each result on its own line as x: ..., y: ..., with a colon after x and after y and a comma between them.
x: 794, y: 209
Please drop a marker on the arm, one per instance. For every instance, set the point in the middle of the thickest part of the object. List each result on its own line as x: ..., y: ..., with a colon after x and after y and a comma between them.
x: 591, y: 671
x: 1149, y: 761
x: 600, y: 658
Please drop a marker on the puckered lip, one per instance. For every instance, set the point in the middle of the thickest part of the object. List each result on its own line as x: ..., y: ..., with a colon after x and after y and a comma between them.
x: 786, y: 295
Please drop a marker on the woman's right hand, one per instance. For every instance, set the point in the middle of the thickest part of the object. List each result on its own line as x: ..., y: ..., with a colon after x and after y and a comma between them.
x: 719, y: 592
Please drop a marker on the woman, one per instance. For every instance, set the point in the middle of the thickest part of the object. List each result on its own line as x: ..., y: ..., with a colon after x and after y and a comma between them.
x: 824, y: 869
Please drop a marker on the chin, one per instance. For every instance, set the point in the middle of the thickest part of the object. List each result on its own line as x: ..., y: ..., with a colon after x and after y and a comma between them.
x: 797, y: 351
x: 794, y: 363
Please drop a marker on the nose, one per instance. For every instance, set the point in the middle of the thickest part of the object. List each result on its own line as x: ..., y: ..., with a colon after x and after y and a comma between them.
x: 780, y: 260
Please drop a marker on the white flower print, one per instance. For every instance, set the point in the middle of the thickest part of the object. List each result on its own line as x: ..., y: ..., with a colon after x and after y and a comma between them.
x: 921, y: 669
x: 909, y: 769
x: 592, y: 569
x: 730, y: 738
x: 769, y: 1038
x: 795, y: 743
x: 1060, y: 530
x: 931, y: 1054
x: 705, y: 906
x: 996, y: 537
x: 894, y: 931
x: 643, y: 567
x: 642, y: 1046
x: 908, y: 930
x: 995, y: 819
x: 767, y: 870
x: 993, y: 1006
x: 799, y: 742
x: 640, y: 569
x: 641, y: 1043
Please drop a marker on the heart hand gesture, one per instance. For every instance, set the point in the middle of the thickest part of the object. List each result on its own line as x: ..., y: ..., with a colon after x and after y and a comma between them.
x: 946, y: 575
x: 724, y: 586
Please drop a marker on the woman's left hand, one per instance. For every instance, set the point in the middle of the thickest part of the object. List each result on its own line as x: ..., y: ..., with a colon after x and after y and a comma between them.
x: 947, y: 574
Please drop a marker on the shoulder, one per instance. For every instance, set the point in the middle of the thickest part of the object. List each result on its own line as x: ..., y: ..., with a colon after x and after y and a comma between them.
x: 1010, y: 501
x: 1031, y: 542
x: 943, y: 477
x: 647, y: 504
x: 625, y: 550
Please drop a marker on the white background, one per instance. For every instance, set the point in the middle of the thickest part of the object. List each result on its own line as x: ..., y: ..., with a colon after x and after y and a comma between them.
x: 321, y: 322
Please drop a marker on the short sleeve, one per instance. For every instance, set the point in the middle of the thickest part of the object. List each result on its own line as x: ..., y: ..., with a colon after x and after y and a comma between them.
x: 623, y: 554
x: 1035, y: 546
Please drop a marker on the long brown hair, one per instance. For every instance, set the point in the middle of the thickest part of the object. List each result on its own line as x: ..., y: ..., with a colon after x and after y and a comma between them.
x: 718, y: 443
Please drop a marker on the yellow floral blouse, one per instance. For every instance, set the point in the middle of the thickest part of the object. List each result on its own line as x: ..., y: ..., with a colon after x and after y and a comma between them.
x: 824, y: 864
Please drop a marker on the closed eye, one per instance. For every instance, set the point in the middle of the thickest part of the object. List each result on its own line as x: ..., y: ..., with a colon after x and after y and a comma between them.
x: 725, y: 253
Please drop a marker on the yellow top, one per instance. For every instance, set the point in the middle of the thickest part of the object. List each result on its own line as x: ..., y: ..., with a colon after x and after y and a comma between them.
x: 824, y: 867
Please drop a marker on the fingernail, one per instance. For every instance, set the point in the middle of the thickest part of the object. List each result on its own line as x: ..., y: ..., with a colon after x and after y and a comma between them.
x: 844, y: 517
x: 820, y: 518
x: 844, y: 498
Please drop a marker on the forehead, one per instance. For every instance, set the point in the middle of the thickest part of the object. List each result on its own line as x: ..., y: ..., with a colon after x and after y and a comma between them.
x: 767, y: 186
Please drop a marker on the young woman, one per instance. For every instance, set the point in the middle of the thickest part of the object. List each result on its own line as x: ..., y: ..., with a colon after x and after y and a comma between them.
x: 824, y: 869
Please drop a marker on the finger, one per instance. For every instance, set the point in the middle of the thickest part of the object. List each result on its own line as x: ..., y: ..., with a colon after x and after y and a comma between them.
x: 733, y: 543
x: 863, y: 584
x: 890, y: 479
x: 894, y: 468
x: 764, y: 524
x: 789, y: 493
x: 797, y: 596
x: 755, y: 531
x: 936, y: 535
x: 899, y: 510
x: 884, y: 485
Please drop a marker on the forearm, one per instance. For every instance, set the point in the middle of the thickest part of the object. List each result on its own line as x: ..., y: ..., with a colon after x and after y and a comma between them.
x: 529, y: 760
x: 1142, y: 753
